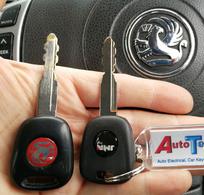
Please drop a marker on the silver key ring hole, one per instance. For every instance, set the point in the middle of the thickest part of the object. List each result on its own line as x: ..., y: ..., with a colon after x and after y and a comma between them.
x: 132, y: 173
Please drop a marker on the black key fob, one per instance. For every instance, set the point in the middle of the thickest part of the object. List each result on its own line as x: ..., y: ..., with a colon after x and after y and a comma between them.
x: 43, y: 154
x: 107, y: 149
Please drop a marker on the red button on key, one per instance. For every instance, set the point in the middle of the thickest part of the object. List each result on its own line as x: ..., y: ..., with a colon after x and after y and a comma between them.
x: 41, y: 152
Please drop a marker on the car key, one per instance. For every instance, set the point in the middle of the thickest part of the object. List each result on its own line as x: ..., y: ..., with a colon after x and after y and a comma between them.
x: 108, y: 146
x: 43, y: 151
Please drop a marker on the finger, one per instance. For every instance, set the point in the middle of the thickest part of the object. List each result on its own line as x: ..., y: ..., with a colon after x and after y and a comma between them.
x: 2, y: 3
x: 132, y: 92
x: 165, y: 182
x: 140, y: 120
x: 16, y: 87
x: 150, y: 94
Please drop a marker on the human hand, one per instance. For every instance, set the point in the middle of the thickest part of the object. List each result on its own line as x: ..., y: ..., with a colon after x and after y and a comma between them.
x: 78, y: 101
x: 2, y: 3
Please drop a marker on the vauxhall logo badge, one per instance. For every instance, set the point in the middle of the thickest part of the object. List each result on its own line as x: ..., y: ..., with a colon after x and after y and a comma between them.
x: 162, y: 37
x: 159, y: 43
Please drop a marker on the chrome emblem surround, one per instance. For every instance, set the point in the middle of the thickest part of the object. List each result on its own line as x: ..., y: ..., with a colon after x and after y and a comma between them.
x: 157, y: 39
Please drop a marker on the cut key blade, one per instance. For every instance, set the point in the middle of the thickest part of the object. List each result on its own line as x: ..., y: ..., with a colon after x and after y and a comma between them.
x: 108, y: 86
x: 48, y: 84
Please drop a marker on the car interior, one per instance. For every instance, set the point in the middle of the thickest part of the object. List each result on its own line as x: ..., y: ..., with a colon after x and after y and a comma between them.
x: 155, y: 39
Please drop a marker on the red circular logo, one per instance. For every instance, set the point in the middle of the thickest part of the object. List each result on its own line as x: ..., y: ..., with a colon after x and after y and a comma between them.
x: 41, y: 152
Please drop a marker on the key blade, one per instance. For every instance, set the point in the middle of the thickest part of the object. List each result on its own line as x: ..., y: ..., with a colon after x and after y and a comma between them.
x: 48, y: 84
x: 108, y: 85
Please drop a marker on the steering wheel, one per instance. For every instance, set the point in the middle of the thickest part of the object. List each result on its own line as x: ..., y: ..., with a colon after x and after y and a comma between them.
x: 154, y: 38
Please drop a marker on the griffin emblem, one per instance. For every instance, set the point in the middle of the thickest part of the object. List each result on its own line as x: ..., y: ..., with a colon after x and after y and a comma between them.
x: 160, y: 42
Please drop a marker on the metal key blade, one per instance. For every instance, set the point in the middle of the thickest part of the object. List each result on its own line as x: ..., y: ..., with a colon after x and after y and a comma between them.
x: 108, y: 85
x: 48, y: 84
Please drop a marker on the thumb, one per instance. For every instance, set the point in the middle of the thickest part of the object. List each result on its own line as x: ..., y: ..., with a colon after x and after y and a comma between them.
x: 2, y: 3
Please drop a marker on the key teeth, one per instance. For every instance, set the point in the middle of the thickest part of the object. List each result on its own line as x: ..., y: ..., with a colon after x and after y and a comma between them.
x: 51, y: 39
x: 56, y: 59
x: 45, y: 49
x: 57, y: 48
x: 107, y: 43
x: 114, y: 60
x: 45, y: 46
x: 115, y: 50
x: 114, y: 66
x: 44, y: 57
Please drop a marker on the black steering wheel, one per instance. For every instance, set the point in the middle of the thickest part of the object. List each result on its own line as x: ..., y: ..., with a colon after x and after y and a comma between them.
x: 154, y: 38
